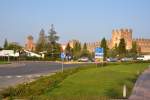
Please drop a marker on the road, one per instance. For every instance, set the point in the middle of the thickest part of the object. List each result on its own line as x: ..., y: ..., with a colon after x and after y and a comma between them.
x: 16, y: 73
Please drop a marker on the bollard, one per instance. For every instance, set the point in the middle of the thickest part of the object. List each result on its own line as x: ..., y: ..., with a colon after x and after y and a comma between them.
x: 124, y: 91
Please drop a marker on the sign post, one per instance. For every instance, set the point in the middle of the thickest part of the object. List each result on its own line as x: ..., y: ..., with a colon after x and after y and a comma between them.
x: 99, y: 55
x: 62, y: 59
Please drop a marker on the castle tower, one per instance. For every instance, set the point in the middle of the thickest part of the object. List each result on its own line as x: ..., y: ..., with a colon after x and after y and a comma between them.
x: 30, y: 44
x: 122, y: 33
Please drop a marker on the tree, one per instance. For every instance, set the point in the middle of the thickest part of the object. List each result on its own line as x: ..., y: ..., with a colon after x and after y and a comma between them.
x: 68, y: 49
x: 54, y: 46
x: 5, y: 44
x: 122, y: 48
x: 42, y: 42
x: 76, y: 50
x: 104, y: 46
x: 15, y: 47
x: 53, y: 38
x: 134, y: 51
x: 85, y: 52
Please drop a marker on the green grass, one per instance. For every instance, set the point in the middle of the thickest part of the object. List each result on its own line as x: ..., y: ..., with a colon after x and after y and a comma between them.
x: 107, y: 81
x: 4, y: 62
x: 83, y: 83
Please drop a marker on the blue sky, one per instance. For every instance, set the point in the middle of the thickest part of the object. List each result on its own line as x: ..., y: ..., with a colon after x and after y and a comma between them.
x: 86, y: 20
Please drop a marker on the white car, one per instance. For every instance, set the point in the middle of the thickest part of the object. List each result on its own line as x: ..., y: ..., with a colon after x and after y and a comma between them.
x: 144, y: 57
x: 83, y: 59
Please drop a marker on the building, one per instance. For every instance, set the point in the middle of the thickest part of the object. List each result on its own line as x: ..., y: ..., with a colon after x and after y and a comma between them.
x: 73, y: 42
x: 10, y: 53
x: 30, y: 45
x: 122, y: 33
x: 143, y: 44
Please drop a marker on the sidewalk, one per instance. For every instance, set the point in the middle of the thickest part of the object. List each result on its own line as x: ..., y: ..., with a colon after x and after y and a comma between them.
x: 141, y: 90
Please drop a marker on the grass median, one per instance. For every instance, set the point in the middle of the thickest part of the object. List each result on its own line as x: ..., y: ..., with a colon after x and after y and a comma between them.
x: 82, y: 83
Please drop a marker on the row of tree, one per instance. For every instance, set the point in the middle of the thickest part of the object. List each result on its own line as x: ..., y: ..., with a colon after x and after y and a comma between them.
x: 49, y: 45
x: 120, y: 50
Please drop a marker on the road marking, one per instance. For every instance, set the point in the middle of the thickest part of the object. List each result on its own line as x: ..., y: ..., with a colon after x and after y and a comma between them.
x: 29, y: 76
x: 8, y: 76
x: 37, y: 75
x: 19, y: 76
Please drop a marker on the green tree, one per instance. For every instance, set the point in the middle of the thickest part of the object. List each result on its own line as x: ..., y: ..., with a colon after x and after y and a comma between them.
x: 68, y: 49
x: 122, y: 48
x: 53, y: 45
x: 15, y: 47
x: 85, y: 52
x: 53, y: 38
x: 104, y: 46
x: 5, y: 44
x: 42, y: 42
x: 76, y: 50
x: 134, y: 51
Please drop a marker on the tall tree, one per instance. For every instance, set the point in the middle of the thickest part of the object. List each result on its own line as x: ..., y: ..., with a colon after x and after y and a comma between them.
x: 76, y: 50
x: 122, y: 48
x: 104, y: 46
x: 53, y: 38
x: 134, y: 50
x: 42, y: 42
x: 68, y: 49
x: 85, y: 52
x: 5, y: 44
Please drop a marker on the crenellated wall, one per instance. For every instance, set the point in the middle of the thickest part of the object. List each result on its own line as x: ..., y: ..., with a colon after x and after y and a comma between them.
x: 121, y: 33
x: 143, y: 44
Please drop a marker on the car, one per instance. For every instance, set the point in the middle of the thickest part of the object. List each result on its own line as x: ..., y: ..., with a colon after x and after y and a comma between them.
x: 112, y: 59
x: 126, y: 59
x: 143, y: 57
x: 83, y: 59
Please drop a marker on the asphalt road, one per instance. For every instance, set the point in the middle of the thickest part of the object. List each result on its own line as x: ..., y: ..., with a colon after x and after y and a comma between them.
x: 16, y: 73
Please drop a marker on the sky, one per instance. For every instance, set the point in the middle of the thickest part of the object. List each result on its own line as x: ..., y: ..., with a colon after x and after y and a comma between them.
x: 85, y: 20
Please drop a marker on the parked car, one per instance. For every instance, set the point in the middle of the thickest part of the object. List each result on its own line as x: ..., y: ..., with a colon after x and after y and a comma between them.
x: 144, y: 57
x: 83, y: 59
x: 112, y: 59
x: 126, y: 59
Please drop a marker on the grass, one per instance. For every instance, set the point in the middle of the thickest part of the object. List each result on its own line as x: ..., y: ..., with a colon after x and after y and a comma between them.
x: 4, y: 62
x: 83, y: 83
x: 107, y: 81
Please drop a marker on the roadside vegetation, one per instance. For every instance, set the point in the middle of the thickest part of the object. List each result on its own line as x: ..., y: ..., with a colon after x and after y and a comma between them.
x: 83, y: 83
x: 4, y: 62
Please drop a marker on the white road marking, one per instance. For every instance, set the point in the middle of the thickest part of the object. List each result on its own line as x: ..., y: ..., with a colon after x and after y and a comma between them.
x: 29, y: 76
x: 19, y: 76
x: 8, y: 76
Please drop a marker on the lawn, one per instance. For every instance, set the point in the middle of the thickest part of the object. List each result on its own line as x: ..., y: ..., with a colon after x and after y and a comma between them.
x: 4, y: 62
x: 107, y: 81
x: 83, y: 83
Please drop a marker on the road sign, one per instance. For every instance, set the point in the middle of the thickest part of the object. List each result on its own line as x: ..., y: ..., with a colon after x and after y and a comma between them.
x: 62, y: 55
x: 99, y: 53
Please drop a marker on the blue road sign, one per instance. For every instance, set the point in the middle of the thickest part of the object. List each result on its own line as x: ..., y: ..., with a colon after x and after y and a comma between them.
x: 99, y: 53
x: 62, y: 55
x: 99, y: 50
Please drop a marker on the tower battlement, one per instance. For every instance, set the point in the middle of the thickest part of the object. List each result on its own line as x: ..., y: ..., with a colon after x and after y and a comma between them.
x: 117, y: 34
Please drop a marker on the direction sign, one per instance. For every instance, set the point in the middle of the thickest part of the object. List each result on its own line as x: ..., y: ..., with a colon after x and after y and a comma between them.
x: 62, y: 55
x: 99, y: 53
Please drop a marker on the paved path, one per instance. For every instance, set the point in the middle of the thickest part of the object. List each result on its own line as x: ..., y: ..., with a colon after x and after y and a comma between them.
x: 141, y: 90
